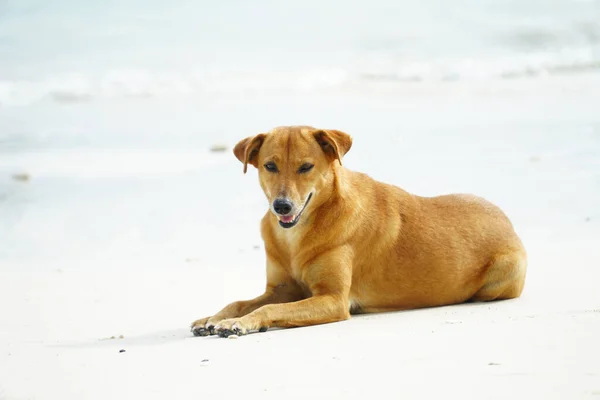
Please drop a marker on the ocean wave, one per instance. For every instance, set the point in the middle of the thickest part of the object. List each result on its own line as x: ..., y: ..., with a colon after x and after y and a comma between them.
x: 468, y: 69
x: 127, y: 83
x: 78, y: 87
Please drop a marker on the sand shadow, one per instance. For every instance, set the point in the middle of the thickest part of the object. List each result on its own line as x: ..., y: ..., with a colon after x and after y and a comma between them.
x: 149, y: 339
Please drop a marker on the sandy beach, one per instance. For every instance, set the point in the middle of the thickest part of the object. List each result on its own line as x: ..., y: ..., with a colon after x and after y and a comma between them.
x: 92, y: 252
x: 119, y: 225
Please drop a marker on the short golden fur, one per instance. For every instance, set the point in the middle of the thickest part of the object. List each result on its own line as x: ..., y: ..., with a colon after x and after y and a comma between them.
x: 360, y: 245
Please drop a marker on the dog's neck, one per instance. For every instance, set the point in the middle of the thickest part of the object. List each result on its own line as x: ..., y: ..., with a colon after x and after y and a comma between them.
x: 338, y: 190
x: 331, y: 197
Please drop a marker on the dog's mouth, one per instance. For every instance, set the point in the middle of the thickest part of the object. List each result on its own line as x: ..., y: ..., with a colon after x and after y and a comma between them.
x: 289, y: 221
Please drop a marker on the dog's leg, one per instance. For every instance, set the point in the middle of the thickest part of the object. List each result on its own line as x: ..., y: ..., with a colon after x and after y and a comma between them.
x: 504, y: 278
x: 281, y: 288
x: 328, y: 278
x: 205, y: 326
x: 312, y: 311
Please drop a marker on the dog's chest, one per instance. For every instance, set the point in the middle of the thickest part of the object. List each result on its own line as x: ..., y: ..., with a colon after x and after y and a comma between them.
x: 289, y: 242
x: 296, y: 267
x: 296, y: 271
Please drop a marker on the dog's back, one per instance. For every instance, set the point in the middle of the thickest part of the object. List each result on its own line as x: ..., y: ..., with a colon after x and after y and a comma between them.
x: 413, y: 251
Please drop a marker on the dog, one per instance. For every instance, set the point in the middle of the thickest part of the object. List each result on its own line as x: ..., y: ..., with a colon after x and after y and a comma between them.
x: 338, y: 242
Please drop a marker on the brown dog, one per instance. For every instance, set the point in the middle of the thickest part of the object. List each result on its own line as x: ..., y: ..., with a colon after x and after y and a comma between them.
x: 338, y: 241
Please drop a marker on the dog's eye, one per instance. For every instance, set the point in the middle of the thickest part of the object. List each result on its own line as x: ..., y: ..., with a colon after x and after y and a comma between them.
x: 305, y: 168
x: 271, y: 167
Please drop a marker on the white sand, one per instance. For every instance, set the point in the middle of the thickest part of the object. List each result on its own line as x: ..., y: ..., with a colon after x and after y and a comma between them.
x: 87, y: 253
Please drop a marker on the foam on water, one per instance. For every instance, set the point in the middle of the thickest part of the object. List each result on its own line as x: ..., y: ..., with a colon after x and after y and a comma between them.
x: 81, y: 87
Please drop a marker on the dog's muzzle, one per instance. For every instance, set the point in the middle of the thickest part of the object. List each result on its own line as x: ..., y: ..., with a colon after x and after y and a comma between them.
x: 283, y: 209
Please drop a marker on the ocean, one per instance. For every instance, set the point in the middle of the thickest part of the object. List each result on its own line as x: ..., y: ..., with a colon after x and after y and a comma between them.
x: 72, y: 51
x: 91, y: 55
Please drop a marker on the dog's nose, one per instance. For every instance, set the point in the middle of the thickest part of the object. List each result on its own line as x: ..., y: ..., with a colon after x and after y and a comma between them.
x: 282, y: 206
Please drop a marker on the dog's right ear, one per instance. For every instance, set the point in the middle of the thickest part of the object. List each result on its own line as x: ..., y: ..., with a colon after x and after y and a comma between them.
x: 334, y: 143
x: 247, y: 150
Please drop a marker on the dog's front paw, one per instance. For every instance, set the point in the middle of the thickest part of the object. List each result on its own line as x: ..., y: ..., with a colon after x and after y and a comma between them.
x: 202, y: 328
x: 233, y: 326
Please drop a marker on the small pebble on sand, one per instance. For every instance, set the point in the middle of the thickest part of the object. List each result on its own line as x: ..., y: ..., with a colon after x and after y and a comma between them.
x: 218, y: 148
x: 22, y: 177
x: 122, y: 351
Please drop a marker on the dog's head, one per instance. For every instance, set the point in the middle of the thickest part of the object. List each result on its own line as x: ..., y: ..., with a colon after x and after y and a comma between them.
x: 295, y: 166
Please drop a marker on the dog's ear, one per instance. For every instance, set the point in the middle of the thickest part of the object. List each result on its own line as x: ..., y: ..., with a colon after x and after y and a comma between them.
x: 247, y: 150
x: 335, y: 144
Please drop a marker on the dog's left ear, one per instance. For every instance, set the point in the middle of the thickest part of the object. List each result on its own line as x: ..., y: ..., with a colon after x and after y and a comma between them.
x: 247, y: 150
x: 335, y: 144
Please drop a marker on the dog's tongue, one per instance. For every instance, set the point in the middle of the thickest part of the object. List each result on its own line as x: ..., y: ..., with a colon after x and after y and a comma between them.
x: 286, y: 218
